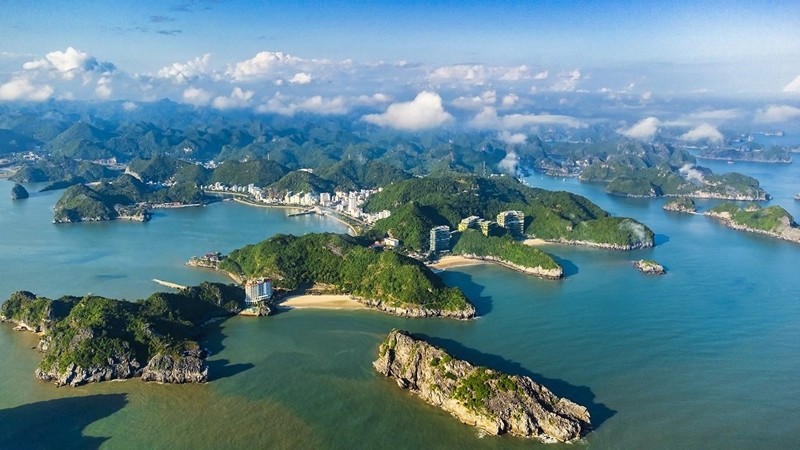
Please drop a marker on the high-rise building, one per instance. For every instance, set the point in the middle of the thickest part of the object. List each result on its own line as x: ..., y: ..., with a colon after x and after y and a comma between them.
x: 440, y: 238
x: 258, y: 290
x: 469, y: 222
x: 513, y: 221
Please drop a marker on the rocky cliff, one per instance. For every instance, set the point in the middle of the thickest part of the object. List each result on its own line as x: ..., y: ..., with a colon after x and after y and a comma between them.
x: 478, y: 396
x: 649, y: 267
x: 19, y: 192
x: 467, y: 312
x: 538, y: 271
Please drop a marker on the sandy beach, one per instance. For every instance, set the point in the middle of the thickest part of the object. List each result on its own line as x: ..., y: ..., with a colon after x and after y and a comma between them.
x: 325, y: 301
x: 454, y: 261
x: 534, y: 242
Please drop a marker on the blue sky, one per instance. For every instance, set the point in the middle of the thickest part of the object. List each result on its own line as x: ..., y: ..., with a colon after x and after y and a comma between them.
x: 251, y: 53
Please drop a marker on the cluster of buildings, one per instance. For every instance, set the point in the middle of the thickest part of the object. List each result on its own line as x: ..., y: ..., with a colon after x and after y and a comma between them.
x: 513, y: 222
x: 349, y: 203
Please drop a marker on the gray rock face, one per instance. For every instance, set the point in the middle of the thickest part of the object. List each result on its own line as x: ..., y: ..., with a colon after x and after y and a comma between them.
x: 495, y: 402
x: 650, y: 267
x: 190, y: 367
x: 19, y: 192
x: 464, y: 314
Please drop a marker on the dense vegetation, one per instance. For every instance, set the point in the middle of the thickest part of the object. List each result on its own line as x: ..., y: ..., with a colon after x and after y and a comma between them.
x: 62, y: 168
x: 771, y: 219
x: 419, y: 203
x: 91, y: 331
x: 473, y: 242
x: 104, y: 200
x: 347, y: 266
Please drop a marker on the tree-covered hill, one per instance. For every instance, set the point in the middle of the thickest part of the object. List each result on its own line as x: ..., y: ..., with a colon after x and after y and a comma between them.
x: 340, y: 261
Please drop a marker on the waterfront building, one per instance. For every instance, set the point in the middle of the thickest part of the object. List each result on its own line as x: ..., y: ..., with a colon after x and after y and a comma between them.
x: 513, y: 222
x: 485, y: 226
x: 440, y: 238
x: 258, y: 290
x: 391, y: 242
x: 469, y: 222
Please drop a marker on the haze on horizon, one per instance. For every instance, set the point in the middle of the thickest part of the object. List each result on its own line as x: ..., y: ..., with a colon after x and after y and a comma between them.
x: 497, y: 66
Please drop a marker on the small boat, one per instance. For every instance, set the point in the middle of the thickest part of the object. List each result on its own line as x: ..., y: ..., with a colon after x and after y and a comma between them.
x: 797, y: 197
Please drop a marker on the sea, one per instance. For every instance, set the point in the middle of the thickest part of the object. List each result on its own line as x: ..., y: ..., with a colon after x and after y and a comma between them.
x: 704, y: 357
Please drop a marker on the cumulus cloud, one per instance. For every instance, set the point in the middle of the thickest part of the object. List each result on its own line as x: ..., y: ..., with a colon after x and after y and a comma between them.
x: 103, y: 89
x: 510, y: 99
x: 703, y: 132
x: 21, y: 88
x: 315, y: 104
x: 541, y: 75
x: 300, y: 78
x: 567, y: 81
x: 692, y: 174
x: 777, y: 114
x: 196, y: 96
x: 512, y: 138
x: 644, y: 129
x: 374, y: 99
x: 425, y: 111
x: 478, y: 74
x: 509, y: 163
x: 477, y: 101
x: 260, y: 65
x: 239, y: 98
x: 181, y: 73
x: 488, y: 118
x: 130, y: 106
x: 69, y: 63
x: 793, y: 86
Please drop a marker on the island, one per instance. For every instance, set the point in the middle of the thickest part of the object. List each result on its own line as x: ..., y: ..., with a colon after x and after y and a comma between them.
x: 329, y: 263
x: 19, y: 192
x: 681, y: 204
x: 750, y: 152
x: 650, y: 267
x: 772, y: 221
x: 90, y: 339
x: 507, y: 252
x: 487, y: 399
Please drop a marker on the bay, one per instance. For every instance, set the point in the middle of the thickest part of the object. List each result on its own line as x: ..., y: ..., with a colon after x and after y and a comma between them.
x: 704, y: 357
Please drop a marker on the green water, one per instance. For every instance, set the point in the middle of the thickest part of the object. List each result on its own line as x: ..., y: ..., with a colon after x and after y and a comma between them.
x: 704, y: 357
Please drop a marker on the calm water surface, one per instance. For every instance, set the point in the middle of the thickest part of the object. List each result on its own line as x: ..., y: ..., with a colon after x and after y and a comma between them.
x: 704, y: 357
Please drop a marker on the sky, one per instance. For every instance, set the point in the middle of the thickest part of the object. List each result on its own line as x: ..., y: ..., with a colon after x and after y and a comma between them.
x: 331, y: 57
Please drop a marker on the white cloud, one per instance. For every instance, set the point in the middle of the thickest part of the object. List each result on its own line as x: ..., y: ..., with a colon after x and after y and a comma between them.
x: 647, y: 96
x: 510, y: 99
x: 260, y: 65
x: 515, y: 73
x: 568, y: 81
x: 196, y: 96
x: 374, y: 99
x: 715, y: 115
x: 130, y: 106
x: 425, y: 111
x: 644, y: 129
x: 239, y: 98
x: 69, y: 63
x: 512, y: 138
x: 476, y: 102
x: 300, y: 78
x: 181, y: 73
x: 488, y: 118
x: 793, y: 86
x: 691, y: 174
x: 103, y: 89
x: 541, y: 75
x: 777, y: 113
x: 478, y: 74
x: 703, y: 132
x: 509, y: 163
x: 316, y: 105
x: 21, y: 88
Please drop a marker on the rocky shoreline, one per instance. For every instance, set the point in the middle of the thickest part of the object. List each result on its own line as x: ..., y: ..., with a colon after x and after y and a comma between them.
x: 649, y: 267
x: 636, y: 246
x: 484, y: 398
x: 465, y: 314
x: 538, y: 271
x: 786, y: 232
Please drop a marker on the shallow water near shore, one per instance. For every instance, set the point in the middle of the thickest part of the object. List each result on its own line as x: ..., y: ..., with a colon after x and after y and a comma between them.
x: 703, y: 357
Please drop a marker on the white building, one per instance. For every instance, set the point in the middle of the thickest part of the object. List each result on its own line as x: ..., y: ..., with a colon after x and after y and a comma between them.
x: 258, y: 290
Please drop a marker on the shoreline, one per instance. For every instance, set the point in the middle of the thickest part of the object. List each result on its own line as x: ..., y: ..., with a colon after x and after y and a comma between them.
x: 449, y: 261
x: 322, y: 301
x: 353, y: 231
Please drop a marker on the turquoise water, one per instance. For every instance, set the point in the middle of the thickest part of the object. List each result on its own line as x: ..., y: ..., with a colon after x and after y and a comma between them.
x: 704, y: 357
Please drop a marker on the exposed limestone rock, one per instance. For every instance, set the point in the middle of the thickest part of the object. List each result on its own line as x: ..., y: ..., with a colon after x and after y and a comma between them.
x: 19, y: 192
x: 190, y: 367
x: 463, y: 314
x: 649, y: 267
x: 538, y: 271
x: 683, y: 204
x: 487, y: 399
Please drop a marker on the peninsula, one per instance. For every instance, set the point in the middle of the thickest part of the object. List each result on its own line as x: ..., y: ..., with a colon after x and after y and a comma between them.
x: 487, y: 399
x: 91, y: 339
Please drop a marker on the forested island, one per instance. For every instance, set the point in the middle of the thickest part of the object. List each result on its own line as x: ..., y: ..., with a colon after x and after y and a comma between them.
x: 748, y: 153
x: 683, y: 204
x: 91, y: 339
x: 772, y: 221
x: 343, y: 264
x: 495, y: 402
x: 507, y: 252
